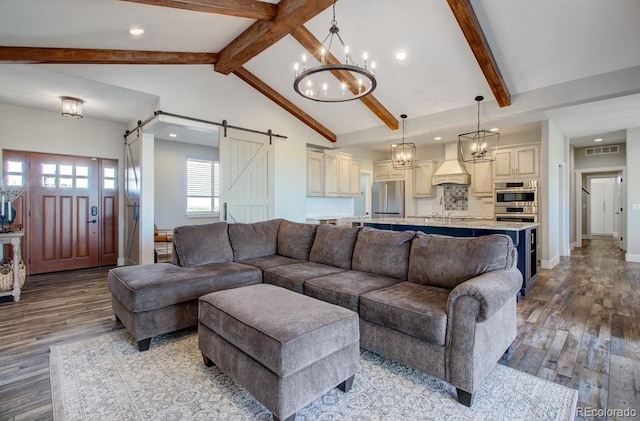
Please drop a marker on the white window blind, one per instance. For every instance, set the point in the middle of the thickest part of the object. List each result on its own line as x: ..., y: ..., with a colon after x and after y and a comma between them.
x: 203, y: 186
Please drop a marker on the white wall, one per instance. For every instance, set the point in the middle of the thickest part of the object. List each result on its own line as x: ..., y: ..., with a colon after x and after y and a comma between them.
x: 555, y: 181
x: 27, y: 129
x: 598, y: 161
x: 199, y: 92
x: 633, y: 195
x: 170, y: 181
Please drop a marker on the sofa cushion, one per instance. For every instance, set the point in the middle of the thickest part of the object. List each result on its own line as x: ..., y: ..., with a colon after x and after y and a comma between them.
x: 383, y: 252
x: 446, y: 262
x: 282, y: 330
x: 295, y: 239
x: 254, y: 240
x: 294, y: 276
x: 267, y: 262
x: 345, y: 288
x: 201, y: 244
x: 416, y: 310
x: 333, y: 245
x: 154, y: 286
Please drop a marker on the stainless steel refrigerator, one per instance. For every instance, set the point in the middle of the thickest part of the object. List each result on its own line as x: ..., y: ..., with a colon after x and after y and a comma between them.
x: 388, y: 199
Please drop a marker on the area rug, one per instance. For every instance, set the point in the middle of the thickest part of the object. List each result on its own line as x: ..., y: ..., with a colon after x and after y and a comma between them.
x: 106, y: 378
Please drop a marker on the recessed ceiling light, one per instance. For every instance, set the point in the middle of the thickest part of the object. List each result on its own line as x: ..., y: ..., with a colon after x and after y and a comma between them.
x: 598, y: 139
x: 136, y: 31
x: 173, y: 135
x: 494, y: 129
x: 401, y: 55
x: 437, y: 138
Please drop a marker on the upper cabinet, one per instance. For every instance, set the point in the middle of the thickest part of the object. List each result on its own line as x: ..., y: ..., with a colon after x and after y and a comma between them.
x: 517, y: 162
x: 384, y: 171
x: 315, y: 174
x: 481, y: 178
x: 332, y: 175
x: 422, y: 175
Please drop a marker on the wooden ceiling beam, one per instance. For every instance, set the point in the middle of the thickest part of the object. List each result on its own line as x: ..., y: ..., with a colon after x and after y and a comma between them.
x: 240, y: 8
x: 94, y: 56
x: 263, y: 34
x: 313, y: 45
x: 468, y: 21
x: 274, y: 96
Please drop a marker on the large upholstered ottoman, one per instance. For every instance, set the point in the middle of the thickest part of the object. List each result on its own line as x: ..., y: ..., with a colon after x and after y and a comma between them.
x: 284, y: 348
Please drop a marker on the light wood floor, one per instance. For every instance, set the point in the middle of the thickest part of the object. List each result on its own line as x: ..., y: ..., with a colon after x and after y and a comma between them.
x: 578, y: 326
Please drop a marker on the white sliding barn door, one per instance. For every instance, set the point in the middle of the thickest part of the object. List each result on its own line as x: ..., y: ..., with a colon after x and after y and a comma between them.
x: 246, y: 177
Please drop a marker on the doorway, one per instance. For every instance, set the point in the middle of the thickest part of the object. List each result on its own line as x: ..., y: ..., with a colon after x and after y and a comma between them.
x: 362, y: 204
x: 70, y: 213
x: 583, y: 205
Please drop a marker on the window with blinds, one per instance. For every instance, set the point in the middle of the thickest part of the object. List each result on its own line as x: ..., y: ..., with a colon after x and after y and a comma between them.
x: 203, y: 187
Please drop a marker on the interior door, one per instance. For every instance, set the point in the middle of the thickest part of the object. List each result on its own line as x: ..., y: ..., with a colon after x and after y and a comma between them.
x: 246, y: 176
x: 602, y: 206
x: 64, y: 211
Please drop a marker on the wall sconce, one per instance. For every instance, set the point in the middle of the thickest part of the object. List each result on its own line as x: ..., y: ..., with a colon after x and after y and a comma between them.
x: 71, y: 107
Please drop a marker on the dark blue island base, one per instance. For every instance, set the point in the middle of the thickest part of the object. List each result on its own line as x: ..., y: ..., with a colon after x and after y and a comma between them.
x: 525, y: 240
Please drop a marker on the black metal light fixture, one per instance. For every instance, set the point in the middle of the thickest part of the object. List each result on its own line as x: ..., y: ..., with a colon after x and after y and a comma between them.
x: 317, y: 82
x: 403, y: 154
x: 480, y: 145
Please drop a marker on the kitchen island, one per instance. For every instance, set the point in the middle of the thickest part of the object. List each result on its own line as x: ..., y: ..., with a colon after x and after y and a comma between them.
x: 523, y: 234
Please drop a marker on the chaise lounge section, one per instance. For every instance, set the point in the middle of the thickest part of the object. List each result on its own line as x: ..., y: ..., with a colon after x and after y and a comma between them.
x: 443, y: 305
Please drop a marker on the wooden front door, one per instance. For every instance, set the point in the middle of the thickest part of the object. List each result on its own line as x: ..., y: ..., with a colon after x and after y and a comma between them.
x: 246, y: 177
x: 65, y: 212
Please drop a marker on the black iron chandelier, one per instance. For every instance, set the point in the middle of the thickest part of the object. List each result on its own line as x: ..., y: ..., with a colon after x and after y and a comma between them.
x: 481, y: 145
x: 403, y: 154
x: 353, y: 81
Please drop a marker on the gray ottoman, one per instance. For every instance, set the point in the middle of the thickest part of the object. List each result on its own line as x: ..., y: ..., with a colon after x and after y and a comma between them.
x: 284, y: 348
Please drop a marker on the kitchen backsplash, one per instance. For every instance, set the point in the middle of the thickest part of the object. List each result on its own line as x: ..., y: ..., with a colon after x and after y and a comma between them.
x: 319, y: 207
x: 475, y: 206
x: 456, y: 198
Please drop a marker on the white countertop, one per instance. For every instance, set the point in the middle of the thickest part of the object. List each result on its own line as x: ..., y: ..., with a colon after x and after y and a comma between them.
x: 453, y: 222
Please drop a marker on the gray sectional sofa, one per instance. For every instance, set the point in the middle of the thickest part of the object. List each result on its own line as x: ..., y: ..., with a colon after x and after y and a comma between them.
x: 443, y: 305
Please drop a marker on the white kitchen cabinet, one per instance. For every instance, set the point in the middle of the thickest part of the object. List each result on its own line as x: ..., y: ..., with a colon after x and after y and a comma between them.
x: 517, y: 162
x: 481, y: 178
x: 354, y: 179
x: 422, y: 175
x: 332, y: 175
x: 344, y: 176
x: 383, y: 171
x: 315, y: 174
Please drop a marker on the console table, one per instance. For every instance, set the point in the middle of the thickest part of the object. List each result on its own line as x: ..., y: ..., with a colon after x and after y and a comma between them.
x: 15, y: 239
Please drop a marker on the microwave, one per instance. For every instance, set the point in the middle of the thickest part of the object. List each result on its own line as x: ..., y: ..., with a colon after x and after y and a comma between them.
x: 521, y: 193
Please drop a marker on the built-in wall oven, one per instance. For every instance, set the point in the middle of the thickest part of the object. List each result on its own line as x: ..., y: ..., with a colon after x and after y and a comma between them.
x: 516, y: 201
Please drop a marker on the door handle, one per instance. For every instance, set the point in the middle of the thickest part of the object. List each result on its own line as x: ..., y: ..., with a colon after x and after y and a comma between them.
x: 93, y: 221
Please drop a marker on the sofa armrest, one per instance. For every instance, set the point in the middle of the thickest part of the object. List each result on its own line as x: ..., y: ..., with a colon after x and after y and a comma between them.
x: 481, y: 324
x: 491, y: 289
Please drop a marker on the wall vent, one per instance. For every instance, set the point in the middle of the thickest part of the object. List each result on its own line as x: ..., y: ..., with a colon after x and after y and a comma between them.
x: 602, y: 150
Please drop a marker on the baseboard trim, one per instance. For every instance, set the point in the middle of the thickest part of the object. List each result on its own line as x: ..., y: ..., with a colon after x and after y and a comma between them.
x: 550, y: 264
x: 634, y: 258
x: 577, y: 244
x: 122, y: 261
x: 586, y: 236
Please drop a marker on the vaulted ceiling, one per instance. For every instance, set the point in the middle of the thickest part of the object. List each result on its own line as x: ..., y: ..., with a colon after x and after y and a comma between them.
x: 457, y: 49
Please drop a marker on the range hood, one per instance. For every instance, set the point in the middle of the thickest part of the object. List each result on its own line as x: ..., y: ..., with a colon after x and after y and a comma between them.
x: 452, y: 170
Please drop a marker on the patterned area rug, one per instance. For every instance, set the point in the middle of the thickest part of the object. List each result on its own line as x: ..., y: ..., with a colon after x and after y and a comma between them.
x: 106, y: 378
